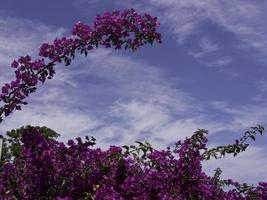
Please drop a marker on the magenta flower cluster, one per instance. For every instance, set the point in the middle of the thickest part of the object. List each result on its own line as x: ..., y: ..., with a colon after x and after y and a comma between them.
x: 47, y: 169
x: 119, y: 29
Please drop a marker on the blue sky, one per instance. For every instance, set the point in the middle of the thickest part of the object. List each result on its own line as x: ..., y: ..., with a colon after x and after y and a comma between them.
x: 209, y: 72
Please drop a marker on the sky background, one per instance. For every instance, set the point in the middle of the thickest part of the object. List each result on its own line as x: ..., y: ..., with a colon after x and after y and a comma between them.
x: 209, y: 72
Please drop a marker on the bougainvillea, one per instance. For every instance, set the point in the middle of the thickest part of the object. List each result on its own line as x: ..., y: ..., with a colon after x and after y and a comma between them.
x: 47, y: 169
x: 119, y: 29
x: 43, y: 168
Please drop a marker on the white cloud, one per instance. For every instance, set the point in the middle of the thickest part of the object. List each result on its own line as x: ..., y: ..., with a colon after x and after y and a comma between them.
x: 209, y: 53
x: 206, y: 47
x: 218, y: 62
x: 144, y: 116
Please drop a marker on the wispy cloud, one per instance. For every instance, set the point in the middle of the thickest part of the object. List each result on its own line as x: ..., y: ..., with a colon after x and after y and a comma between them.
x: 209, y: 53
x: 206, y: 47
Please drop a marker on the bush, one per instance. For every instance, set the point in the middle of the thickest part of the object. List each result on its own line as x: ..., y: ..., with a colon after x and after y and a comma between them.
x: 48, y: 169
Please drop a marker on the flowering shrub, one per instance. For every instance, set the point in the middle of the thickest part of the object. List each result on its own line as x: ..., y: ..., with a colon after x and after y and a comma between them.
x: 119, y: 29
x: 47, y: 169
